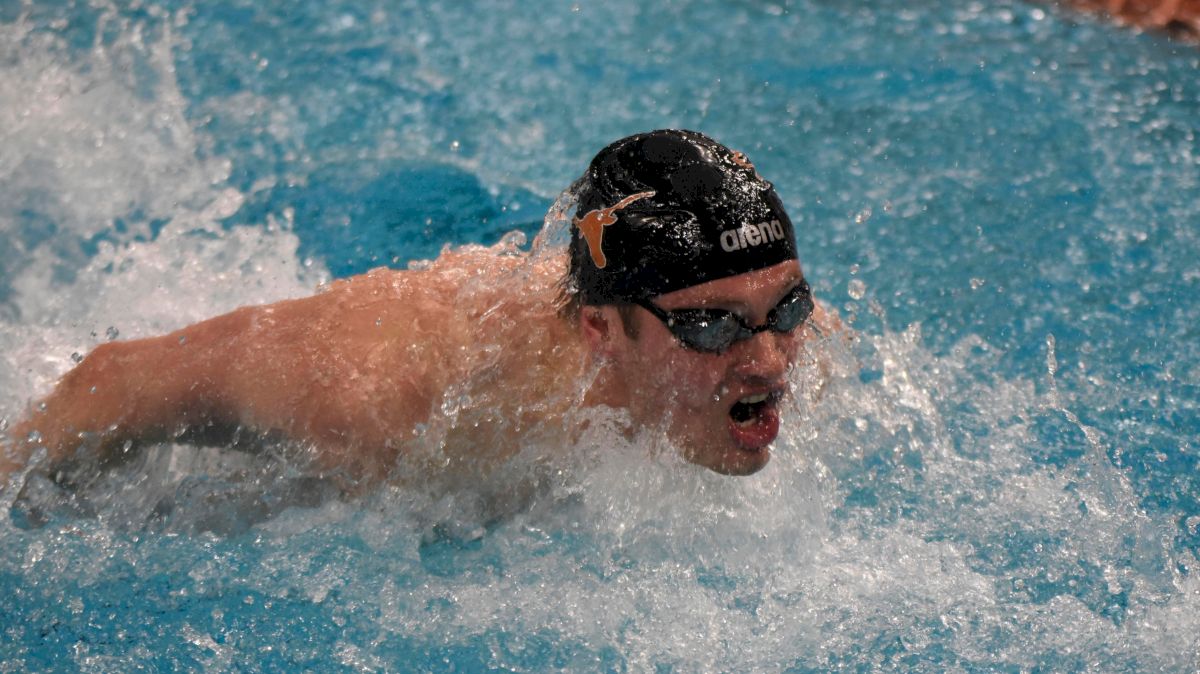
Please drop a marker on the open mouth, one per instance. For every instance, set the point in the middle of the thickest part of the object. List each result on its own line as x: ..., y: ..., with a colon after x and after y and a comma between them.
x: 754, y: 420
x: 746, y: 410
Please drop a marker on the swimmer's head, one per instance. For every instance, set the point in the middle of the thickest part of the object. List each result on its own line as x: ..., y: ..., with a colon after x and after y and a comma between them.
x: 666, y: 210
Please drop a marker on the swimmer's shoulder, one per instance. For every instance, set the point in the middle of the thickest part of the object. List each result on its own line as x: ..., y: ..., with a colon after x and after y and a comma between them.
x: 463, y: 295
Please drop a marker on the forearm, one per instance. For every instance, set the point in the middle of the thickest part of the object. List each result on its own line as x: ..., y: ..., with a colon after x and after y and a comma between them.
x: 122, y: 392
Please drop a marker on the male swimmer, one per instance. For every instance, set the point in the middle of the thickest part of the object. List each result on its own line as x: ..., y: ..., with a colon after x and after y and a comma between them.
x: 680, y: 304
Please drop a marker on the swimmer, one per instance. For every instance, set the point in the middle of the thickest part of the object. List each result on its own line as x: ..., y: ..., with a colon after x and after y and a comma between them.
x: 679, y: 303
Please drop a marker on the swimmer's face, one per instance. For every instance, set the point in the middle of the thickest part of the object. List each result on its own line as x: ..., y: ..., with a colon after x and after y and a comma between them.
x: 721, y: 409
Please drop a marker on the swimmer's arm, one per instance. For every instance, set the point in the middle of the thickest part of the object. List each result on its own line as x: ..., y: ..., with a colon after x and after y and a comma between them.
x: 301, y: 368
x: 126, y: 393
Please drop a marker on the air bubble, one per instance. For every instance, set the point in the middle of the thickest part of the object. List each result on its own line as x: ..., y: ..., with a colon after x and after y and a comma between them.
x: 77, y: 357
x: 111, y: 333
x: 856, y: 289
x: 977, y: 283
x: 34, y: 437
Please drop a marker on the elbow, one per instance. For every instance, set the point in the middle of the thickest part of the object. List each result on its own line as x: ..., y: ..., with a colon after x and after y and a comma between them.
x: 96, y: 374
x: 93, y: 397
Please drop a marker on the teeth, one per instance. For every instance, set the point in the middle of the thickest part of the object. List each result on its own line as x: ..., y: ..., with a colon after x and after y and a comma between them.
x: 754, y: 399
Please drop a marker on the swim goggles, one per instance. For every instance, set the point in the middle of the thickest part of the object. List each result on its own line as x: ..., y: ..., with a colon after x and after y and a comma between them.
x: 715, y: 330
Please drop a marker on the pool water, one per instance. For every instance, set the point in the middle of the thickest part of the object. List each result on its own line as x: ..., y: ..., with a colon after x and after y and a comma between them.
x: 1000, y: 198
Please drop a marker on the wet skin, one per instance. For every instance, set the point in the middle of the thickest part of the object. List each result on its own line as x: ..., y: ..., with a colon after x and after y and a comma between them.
x: 690, y: 394
x: 363, y: 374
x: 360, y: 374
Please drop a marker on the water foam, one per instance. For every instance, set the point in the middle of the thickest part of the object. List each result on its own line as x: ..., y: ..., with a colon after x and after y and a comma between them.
x: 131, y: 242
x: 931, y: 511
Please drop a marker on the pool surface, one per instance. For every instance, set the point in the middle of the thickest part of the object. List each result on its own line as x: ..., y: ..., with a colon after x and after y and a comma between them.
x: 1002, y: 199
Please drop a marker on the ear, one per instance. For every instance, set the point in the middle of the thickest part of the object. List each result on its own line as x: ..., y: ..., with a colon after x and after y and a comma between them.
x: 598, y: 327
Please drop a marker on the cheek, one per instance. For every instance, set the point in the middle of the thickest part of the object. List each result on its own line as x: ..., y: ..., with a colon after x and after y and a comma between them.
x: 695, y: 378
x: 671, y: 375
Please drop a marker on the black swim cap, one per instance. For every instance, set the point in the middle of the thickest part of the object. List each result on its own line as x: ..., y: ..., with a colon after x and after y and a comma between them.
x: 669, y: 209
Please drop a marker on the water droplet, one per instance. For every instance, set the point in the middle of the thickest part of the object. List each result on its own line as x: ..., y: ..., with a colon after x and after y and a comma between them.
x: 182, y: 339
x: 378, y: 322
x: 4, y: 424
x: 513, y: 241
x: 854, y: 269
x: 856, y: 289
x: 454, y: 145
x: 41, y: 407
x: 34, y: 436
x: 111, y: 333
x: 862, y: 216
x: 76, y: 357
x: 977, y: 283
x: 92, y: 390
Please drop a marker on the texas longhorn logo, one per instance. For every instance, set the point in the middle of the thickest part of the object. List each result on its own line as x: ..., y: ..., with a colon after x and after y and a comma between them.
x: 742, y: 160
x: 593, y: 223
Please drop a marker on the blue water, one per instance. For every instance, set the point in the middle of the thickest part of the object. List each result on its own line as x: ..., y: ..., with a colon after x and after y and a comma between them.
x: 1000, y: 198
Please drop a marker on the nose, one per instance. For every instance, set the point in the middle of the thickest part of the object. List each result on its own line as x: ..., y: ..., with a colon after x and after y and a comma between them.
x: 764, y: 356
